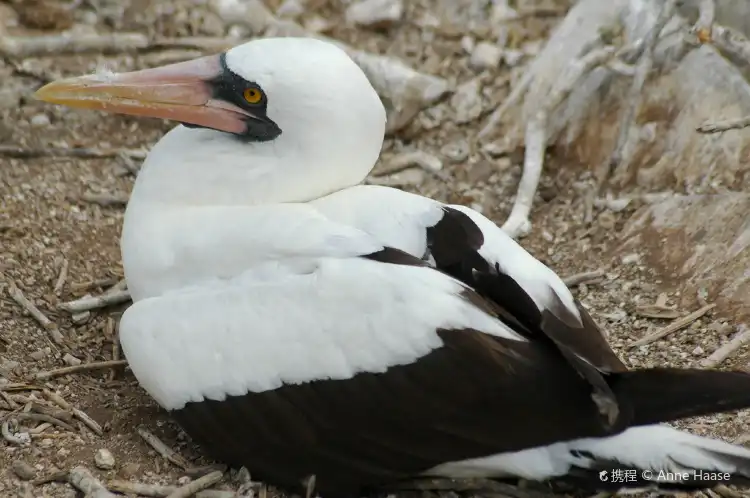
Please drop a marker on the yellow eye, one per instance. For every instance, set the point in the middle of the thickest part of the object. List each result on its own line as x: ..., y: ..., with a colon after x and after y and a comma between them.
x: 252, y: 95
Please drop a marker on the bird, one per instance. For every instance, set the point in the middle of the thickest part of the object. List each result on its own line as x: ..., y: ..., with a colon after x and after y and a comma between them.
x: 301, y: 324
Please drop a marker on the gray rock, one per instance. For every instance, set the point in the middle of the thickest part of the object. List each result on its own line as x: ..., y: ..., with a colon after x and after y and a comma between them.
x: 104, y: 459
x: 375, y: 13
x: 485, y: 56
x: 467, y: 101
x: 707, y: 236
x: 23, y: 470
x: 690, y: 87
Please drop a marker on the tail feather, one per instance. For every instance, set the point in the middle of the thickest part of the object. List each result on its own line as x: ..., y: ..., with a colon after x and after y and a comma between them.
x: 652, y: 457
x: 651, y: 396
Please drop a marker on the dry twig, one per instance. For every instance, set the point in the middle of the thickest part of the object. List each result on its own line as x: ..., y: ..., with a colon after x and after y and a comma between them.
x: 79, y: 414
x: 515, y: 95
x: 617, y: 159
x: 199, y: 484
x: 41, y: 417
x: 704, y: 26
x: 12, y: 404
x: 8, y: 436
x: 162, y: 449
x: 95, y: 302
x: 730, y: 42
x: 518, y: 224
x: 722, y: 353
x: 97, y: 365
x: 16, y: 152
x: 60, y: 283
x: 68, y: 43
x: 722, y: 126
x: 82, y: 479
x: 105, y: 199
x: 583, y: 278
x: 49, y: 325
x: 674, y: 326
x: 156, y: 491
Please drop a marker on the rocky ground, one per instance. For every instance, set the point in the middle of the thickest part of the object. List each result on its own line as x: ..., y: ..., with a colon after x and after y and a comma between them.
x: 65, y: 176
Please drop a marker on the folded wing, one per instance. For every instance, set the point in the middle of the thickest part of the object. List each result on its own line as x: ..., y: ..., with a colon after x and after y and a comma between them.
x: 358, y: 370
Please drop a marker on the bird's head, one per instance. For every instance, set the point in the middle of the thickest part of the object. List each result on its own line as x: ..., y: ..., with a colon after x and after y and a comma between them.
x: 301, y: 100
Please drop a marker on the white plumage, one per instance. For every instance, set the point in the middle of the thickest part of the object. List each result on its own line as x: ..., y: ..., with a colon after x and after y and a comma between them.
x: 291, y: 322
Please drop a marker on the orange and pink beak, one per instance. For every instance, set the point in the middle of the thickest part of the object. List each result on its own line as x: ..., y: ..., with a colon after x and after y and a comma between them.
x: 181, y: 92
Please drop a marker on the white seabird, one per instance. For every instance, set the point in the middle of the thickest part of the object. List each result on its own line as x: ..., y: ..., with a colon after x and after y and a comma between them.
x: 298, y: 323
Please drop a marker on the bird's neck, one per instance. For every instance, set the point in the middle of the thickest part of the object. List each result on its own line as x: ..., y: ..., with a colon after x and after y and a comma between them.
x: 193, y: 167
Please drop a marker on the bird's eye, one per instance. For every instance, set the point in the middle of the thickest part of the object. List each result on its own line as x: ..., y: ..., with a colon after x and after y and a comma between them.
x: 252, y: 95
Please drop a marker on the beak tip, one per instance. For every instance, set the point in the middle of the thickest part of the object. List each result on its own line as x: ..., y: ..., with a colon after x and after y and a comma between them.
x: 46, y: 93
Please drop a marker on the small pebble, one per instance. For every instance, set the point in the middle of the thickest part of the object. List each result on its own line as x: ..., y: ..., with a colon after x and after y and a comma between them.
x: 375, y: 13
x: 252, y: 13
x: 467, y: 101
x: 698, y: 351
x: 39, y: 121
x: 129, y: 470
x: 630, y: 259
x: 290, y: 9
x: 485, y: 56
x: 104, y: 459
x: 456, y: 151
x: 23, y: 470
x: 37, y: 355
x: 80, y: 318
x: 318, y: 24
x: 71, y: 360
x: 513, y: 57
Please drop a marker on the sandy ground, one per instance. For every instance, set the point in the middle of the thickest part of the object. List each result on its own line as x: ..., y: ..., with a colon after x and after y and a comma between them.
x: 48, y: 227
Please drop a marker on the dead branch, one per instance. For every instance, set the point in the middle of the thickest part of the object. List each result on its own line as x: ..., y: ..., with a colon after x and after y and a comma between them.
x: 112, y: 284
x: 106, y: 200
x: 722, y: 126
x: 96, y: 302
x: 82, y: 479
x: 10, y: 437
x: 157, y: 491
x: 674, y: 326
x: 41, y: 318
x: 497, y: 115
x: 583, y: 278
x: 16, y: 152
x: 730, y: 42
x: 704, y: 25
x: 67, y: 43
x: 722, y: 353
x: 79, y: 414
x: 518, y: 224
x: 162, y: 449
x: 39, y: 429
x: 83, y: 367
x: 198, y: 485
x: 406, y: 160
x: 12, y: 404
x: 60, y: 283
x: 41, y: 417
x: 618, y: 159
